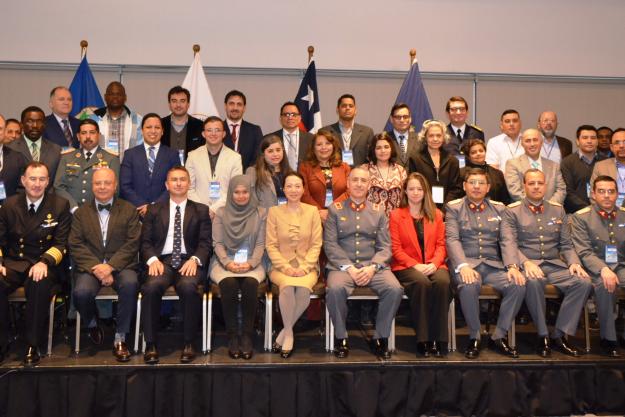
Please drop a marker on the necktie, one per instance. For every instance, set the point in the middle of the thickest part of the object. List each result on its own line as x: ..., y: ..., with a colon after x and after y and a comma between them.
x: 106, y: 207
x: 66, y: 132
x: 402, y: 144
x: 34, y: 151
x: 535, y: 165
x: 151, y: 159
x: 31, y: 210
x: 235, y: 135
x: 88, y: 155
x: 459, y: 135
x: 175, y: 254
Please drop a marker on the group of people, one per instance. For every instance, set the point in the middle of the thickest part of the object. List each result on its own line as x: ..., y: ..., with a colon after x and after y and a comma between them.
x: 141, y: 203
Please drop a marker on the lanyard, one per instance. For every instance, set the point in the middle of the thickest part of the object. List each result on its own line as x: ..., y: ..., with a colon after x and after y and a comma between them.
x: 550, y: 149
x: 512, y: 154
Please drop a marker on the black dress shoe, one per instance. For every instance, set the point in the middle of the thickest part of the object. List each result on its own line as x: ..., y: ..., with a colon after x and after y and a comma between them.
x: 341, y: 348
x: 96, y: 335
x: 436, y: 349
x: 121, y: 352
x: 380, y: 348
x: 501, y: 345
x: 543, y: 349
x: 473, y: 349
x: 233, y: 347
x: 31, y: 358
x: 562, y: 344
x: 609, y: 349
x: 247, y: 346
x: 151, y: 354
x: 276, y: 348
x: 188, y: 353
x: 423, y: 349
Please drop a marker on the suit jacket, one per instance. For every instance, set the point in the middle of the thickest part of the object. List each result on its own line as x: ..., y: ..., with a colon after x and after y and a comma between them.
x: 407, y: 251
x: 122, y: 237
x: 196, y: 231
x: 315, y: 183
x: 13, y: 164
x: 194, y: 134
x: 413, y: 147
x: 360, y: 141
x: 565, y: 145
x: 447, y: 176
x: 454, y: 147
x: 605, y: 167
x: 576, y: 174
x: 199, y: 167
x: 249, y: 138
x: 49, y: 154
x: 515, y: 169
x: 137, y: 186
x: 25, y: 239
x: 54, y: 131
x: 305, y: 140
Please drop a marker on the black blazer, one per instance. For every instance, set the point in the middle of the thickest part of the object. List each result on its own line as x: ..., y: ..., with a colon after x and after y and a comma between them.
x: 249, y: 138
x: 470, y: 132
x: 196, y: 231
x: 447, y: 175
x: 565, y: 145
x: 498, y: 189
x: 54, y: 131
x: 13, y: 164
x: 194, y: 134
x: 305, y: 139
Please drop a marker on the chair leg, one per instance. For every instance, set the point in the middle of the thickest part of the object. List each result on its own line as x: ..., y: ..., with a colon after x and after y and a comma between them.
x: 587, y: 327
x: 51, y: 324
x: 329, y: 332
x: 209, y: 324
x: 137, y: 324
x: 451, y: 329
x: 512, y: 335
x: 391, y: 341
x: 204, y: 320
x: 268, y: 320
x: 77, y: 344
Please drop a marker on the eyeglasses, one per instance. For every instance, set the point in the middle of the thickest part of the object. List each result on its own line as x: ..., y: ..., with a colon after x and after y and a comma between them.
x: 289, y: 114
x: 401, y: 116
x: 457, y: 109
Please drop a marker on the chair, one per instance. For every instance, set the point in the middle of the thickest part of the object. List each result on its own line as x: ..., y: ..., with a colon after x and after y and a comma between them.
x: 19, y: 296
x: 552, y: 293
x: 105, y: 293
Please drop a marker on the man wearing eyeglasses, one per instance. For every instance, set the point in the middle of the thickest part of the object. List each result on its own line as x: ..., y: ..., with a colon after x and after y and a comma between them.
x: 459, y: 131
x: 404, y: 133
x: 614, y: 167
x: 296, y: 141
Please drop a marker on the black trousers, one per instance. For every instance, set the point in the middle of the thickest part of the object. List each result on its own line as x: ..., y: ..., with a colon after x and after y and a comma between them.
x: 38, y: 296
x: 190, y: 300
x: 429, y: 298
x: 229, y: 288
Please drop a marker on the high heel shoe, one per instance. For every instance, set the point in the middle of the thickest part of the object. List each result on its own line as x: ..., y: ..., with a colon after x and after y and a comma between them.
x: 276, y: 348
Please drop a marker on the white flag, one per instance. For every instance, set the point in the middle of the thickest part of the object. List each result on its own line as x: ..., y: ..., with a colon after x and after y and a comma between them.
x: 202, y: 103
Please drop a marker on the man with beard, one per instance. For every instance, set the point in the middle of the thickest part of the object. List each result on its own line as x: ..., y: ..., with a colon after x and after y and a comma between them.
x: 554, y: 148
x: 181, y: 131
x: 241, y: 136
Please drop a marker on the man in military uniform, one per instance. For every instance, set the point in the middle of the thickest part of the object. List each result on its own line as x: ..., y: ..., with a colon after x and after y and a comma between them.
x: 598, y: 233
x: 357, y: 243
x: 73, y: 178
x: 33, y: 237
x: 477, y: 251
x: 540, y: 232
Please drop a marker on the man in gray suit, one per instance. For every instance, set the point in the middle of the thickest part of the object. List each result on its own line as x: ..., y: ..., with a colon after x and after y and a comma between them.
x: 355, y: 138
x: 357, y: 243
x: 532, y: 143
x: 104, y: 242
x: 478, y: 250
x: 540, y: 232
x: 296, y: 141
x: 614, y: 167
x: 598, y: 233
x: 403, y: 133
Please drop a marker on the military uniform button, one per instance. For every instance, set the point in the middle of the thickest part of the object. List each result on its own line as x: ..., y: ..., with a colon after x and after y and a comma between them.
x: 358, y: 243
x: 84, y: 191
x: 357, y: 226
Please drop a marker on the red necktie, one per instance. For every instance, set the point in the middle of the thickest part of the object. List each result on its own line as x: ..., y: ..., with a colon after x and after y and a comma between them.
x: 234, y: 135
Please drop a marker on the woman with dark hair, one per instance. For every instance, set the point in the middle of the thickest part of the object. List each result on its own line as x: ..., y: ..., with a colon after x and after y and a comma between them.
x: 418, y: 245
x: 387, y: 176
x: 269, y: 171
x: 475, y: 150
x: 325, y: 173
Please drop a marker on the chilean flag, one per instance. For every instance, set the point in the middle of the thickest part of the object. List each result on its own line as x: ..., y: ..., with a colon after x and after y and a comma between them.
x: 307, y: 100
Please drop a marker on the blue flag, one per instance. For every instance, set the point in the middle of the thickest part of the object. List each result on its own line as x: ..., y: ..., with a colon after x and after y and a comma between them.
x: 84, y: 91
x: 413, y: 94
x: 307, y: 100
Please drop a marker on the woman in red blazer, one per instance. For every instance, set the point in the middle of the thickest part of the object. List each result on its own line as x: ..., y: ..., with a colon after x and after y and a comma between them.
x: 418, y: 243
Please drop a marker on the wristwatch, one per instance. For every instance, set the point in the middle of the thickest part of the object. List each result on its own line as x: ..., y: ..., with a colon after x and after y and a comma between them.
x: 512, y: 266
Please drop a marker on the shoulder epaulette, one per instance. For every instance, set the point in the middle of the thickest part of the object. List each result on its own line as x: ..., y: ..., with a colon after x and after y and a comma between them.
x: 338, y: 206
x: 554, y: 203
x: 622, y: 208
x: 454, y: 202
x: 112, y: 152
x: 497, y: 203
x: 476, y: 127
x: 585, y: 210
x: 67, y: 151
x: 515, y: 204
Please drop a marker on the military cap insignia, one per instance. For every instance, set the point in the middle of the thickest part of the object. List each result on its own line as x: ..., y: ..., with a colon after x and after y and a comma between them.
x: 515, y: 204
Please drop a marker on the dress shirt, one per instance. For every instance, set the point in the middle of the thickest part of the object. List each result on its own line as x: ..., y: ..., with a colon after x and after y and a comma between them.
x: 60, y: 120
x: 535, y: 163
x: 462, y: 129
x: 36, y: 203
x: 291, y: 146
x: 501, y: 148
x: 551, y: 150
x: 147, y: 150
x: 346, y: 135
x: 620, y: 173
x: 103, y: 217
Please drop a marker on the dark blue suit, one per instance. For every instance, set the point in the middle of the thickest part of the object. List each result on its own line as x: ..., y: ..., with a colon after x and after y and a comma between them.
x: 136, y: 184
x: 249, y: 138
x: 54, y: 131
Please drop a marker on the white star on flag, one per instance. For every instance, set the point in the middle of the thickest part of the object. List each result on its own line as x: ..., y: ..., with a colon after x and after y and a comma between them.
x: 310, y: 98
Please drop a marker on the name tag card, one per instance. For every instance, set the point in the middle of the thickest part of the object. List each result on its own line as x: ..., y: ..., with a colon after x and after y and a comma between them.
x: 438, y: 194
x: 113, y: 144
x: 611, y: 254
x: 281, y: 201
x: 240, y: 257
x: 181, y: 156
x: 348, y: 157
x: 619, y: 199
x: 461, y: 161
x: 329, y: 198
x: 588, y: 189
x: 3, y: 191
x: 214, y: 190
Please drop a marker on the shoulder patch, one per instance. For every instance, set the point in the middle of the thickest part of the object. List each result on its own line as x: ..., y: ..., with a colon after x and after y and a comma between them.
x: 454, y: 202
x: 515, y: 204
x: 586, y: 210
x: 476, y: 127
x: 338, y: 206
x: 554, y: 203
x: 497, y: 203
x: 67, y: 151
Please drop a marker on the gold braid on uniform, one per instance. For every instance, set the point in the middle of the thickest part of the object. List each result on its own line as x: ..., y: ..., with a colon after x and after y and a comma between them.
x: 55, y: 254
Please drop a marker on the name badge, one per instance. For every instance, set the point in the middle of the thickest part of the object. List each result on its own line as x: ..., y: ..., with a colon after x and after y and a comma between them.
x: 611, y: 254
x: 240, y: 257
x: 3, y: 191
x: 438, y: 194
x: 113, y: 144
x: 329, y: 198
x: 461, y: 161
x: 619, y: 199
x: 588, y: 189
x: 214, y: 190
x: 281, y: 201
x: 181, y: 156
x: 348, y: 157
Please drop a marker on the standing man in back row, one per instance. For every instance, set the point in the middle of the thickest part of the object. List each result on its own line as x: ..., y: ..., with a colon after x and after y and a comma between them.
x: 181, y: 131
x: 459, y: 131
x: 241, y: 136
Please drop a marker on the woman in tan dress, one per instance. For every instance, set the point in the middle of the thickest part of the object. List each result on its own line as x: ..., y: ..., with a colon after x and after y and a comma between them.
x: 293, y: 244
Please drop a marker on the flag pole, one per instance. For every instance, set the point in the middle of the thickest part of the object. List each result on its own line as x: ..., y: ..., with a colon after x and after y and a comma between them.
x: 196, y: 49
x: 413, y: 56
x: 311, y: 52
x: 83, y: 48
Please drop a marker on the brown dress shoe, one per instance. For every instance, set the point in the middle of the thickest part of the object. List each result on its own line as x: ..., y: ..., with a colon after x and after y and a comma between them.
x: 121, y: 352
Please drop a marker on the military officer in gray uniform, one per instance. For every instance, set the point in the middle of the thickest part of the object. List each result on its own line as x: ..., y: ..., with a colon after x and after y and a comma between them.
x: 357, y: 243
x: 73, y: 177
x: 598, y: 233
x: 477, y: 251
x: 540, y: 231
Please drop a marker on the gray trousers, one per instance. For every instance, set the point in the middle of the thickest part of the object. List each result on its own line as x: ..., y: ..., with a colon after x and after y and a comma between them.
x: 605, y: 305
x: 340, y: 285
x: 512, y: 298
x: 575, y: 290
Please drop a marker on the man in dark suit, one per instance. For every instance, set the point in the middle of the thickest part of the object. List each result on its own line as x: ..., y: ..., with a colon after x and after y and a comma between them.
x: 138, y: 185
x: 241, y: 136
x: 104, y: 242
x: 403, y: 133
x: 12, y: 165
x: 176, y: 245
x: 14, y: 130
x: 296, y: 141
x: 353, y: 137
x: 459, y: 131
x: 181, y: 131
x: 61, y: 128
x: 33, y: 145
x: 555, y: 148
x: 33, y: 239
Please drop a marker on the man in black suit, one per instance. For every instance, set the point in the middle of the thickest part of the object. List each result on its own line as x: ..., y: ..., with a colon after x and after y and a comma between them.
x: 181, y: 131
x: 555, y: 148
x: 176, y: 245
x: 12, y: 165
x: 242, y: 136
x: 296, y: 141
x: 61, y: 128
x: 403, y: 133
x: 353, y: 137
x: 14, y: 130
x: 104, y: 243
x: 459, y: 131
x: 33, y: 239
